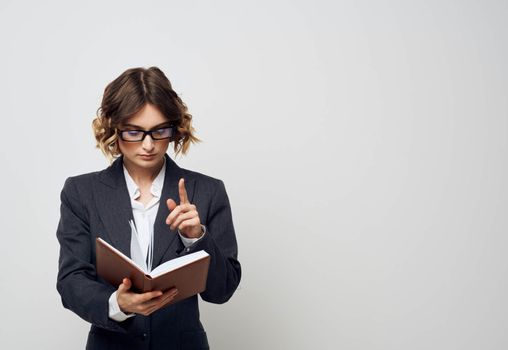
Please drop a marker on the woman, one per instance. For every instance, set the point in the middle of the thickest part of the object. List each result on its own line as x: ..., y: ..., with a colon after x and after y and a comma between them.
x: 180, y: 211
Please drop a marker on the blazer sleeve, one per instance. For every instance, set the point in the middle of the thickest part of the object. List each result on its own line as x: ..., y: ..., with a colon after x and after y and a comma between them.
x: 77, y: 282
x: 220, y: 242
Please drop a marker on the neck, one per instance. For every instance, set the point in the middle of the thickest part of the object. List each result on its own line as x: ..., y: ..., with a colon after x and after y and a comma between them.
x: 140, y: 175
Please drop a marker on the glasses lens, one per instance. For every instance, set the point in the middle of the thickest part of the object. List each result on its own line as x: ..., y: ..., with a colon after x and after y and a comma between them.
x: 132, y: 135
x: 163, y: 133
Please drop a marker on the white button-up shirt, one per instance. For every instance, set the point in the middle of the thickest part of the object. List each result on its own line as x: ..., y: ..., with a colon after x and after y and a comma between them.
x: 144, y: 216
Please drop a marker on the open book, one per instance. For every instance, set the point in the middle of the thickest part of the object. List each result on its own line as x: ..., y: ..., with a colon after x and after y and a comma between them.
x: 187, y: 273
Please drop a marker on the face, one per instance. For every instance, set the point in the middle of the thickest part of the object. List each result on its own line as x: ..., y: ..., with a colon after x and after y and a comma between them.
x: 147, y: 154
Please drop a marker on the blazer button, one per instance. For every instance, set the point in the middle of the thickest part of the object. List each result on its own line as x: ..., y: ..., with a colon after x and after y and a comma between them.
x: 144, y: 336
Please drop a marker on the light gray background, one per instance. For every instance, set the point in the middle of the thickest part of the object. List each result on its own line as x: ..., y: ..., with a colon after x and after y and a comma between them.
x: 363, y: 145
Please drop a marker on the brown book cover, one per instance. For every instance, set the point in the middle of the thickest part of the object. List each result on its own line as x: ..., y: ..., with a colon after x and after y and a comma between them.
x: 187, y: 273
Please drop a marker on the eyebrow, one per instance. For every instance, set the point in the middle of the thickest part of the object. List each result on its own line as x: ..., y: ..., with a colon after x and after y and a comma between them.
x: 165, y: 124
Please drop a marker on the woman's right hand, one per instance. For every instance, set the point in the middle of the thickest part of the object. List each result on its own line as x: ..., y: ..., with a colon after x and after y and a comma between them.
x: 144, y: 303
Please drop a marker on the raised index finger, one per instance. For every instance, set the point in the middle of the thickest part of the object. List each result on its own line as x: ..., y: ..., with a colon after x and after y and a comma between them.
x: 182, y: 192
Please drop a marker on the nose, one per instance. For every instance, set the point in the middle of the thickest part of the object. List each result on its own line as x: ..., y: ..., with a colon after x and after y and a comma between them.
x: 148, y: 144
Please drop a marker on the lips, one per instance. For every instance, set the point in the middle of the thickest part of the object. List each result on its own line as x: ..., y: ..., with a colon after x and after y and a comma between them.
x: 147, y: 156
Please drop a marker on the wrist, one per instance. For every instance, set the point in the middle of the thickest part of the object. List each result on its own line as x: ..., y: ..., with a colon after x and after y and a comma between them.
x: 196, y: 233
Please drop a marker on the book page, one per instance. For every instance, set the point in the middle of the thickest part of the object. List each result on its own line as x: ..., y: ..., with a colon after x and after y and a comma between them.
x: 178, y: 262
x: 136, y: 253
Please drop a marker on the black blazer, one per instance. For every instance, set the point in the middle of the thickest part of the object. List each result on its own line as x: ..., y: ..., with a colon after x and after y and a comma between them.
x: 98, y: 205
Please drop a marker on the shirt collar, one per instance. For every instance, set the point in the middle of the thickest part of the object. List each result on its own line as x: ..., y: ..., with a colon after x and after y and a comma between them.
x: 156, y: 187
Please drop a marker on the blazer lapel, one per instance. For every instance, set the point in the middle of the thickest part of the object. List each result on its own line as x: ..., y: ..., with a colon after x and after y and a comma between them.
x: 165, y: 239
x: 114, y: 206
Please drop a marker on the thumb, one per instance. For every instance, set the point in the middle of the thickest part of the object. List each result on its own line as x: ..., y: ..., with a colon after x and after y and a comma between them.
x: 125, y: 286
x: 171, y: 204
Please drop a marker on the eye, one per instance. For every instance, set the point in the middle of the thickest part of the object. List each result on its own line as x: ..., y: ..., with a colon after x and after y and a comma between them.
x: 162, y: 132
x: 133, y: 133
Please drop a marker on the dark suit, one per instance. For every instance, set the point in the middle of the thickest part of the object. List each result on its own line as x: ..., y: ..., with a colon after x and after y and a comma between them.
x: 98, y: 205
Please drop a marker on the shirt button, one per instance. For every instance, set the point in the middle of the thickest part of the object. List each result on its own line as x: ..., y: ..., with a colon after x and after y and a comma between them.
x: 143, y: 336
x: 187, y: 249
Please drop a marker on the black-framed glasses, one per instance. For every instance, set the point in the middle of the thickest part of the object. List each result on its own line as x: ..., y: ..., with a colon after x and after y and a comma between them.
x: 139, y: 135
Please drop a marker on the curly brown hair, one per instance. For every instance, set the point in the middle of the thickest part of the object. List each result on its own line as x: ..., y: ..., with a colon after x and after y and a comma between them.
x: 128, y: 94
